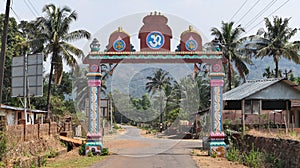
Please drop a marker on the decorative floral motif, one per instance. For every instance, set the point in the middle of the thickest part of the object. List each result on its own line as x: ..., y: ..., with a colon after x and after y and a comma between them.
x: 216, y: 108
x: 93, y: 115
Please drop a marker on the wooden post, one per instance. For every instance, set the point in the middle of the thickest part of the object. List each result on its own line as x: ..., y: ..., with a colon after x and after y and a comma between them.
x: 288, y: 115
x: 243, y: 115
x: 39, y: 130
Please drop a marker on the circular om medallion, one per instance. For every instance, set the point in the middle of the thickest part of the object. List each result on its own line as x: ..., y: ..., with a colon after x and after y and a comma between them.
x: 191, y: 45
x: 155, y: 40
x: 119, y: 45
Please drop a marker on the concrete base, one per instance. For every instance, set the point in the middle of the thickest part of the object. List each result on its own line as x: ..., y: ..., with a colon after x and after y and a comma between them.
x: 217, y: 146
x: 93, y: 144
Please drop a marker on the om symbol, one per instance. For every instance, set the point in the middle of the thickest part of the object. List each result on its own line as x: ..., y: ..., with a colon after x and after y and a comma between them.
x: 155, y: 40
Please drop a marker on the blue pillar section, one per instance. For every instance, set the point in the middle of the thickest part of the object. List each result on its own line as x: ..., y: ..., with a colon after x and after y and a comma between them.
x: 217, y: 136
x: 94, y: 144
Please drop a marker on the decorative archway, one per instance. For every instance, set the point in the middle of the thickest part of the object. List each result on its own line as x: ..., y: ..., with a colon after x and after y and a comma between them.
x: 155, y: 37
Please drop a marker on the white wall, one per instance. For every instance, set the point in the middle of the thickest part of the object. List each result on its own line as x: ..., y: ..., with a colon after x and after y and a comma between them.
x: 11, y: 118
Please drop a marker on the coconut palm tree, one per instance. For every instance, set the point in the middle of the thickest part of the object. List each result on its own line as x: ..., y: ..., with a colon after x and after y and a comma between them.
x: 229, y: 39
x: 275, y: 42
x: 55, y: 34
x: 158, y: 83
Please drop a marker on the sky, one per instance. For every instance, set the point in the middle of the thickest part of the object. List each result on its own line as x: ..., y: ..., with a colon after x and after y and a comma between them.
x: 102, y: 17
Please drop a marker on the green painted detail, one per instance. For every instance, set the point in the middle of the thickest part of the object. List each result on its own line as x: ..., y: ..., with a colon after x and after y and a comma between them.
x: 94, y: 144
x: 217, y: 144
x: 112, y: 57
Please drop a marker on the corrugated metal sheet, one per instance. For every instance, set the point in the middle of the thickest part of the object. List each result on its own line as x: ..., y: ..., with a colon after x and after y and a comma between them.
x: 261, y: 89
x: 251, y: 87
x: 20, y: 109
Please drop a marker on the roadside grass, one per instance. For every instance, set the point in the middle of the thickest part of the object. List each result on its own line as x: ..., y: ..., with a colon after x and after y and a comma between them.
x: 78, y: 162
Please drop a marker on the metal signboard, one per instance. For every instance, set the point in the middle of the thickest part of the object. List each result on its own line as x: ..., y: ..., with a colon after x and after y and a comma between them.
x: 34, y: 75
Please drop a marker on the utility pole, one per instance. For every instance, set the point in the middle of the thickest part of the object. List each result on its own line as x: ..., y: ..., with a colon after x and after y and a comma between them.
x: 110, y: 108
x: 3, y: 47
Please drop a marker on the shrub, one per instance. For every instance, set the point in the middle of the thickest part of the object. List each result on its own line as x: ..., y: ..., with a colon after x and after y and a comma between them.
x: 3, y: 144
x: 90, y: 154
x: 116, y: 126
x: 273, y: 161
x: 233, y: 154
x: 104, y: 152
x: 81, y: 150
x: 253, y: 158
x: 2, y: 164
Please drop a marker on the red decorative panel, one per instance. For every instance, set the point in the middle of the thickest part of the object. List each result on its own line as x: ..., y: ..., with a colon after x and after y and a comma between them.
x: 155, y: 34
x: 216, y: 82
x: 94, y: 83
x: 119, y: 41
x: 190, y: 40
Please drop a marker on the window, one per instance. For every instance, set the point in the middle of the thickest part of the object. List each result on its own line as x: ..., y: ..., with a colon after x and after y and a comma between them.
x: 252, y: 106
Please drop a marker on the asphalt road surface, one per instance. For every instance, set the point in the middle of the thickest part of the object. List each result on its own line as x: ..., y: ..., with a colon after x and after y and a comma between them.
x: 150, y: 152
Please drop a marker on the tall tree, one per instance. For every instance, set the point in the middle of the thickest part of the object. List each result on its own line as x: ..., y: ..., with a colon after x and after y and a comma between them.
x: 14, y: 37
x: 54, y: 33
x: 275, y: 42
x: 229, y: 39
x: 156, y: 83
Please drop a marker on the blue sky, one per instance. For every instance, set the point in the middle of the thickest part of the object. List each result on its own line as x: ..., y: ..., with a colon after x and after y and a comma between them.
x: 94, y: 15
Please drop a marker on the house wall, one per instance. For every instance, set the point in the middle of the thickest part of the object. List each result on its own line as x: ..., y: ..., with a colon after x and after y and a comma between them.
x: 234, y: 116
x: 296, y: 115
x: 11, y: 117
x: 17, y: 133
x: 2, y: 113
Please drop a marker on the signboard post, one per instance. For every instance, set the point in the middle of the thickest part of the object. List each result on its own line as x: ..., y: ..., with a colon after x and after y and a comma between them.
x: 27, y: 77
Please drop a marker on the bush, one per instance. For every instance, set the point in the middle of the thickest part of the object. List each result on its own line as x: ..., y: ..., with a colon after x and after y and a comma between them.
x: 104, y: 152
x: 233, y: 154
x: 273, y: 161
x: 90, y: 154
x: 81, y: 150
x: 253, y: 158
x: 3, y: 144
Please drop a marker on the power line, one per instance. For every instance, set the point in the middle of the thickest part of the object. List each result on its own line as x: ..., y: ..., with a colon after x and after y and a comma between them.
x: 12, y: 3
x: 30, y: 8
x: 269, y: 15
x: 17, y: 16
x: 265, y: 9
x: 248, y: 11
x: 238, y: 10
x: 33, y: 7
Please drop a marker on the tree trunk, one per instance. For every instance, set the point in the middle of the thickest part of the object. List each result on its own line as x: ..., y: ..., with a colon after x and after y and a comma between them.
x: 229, y: 74
x: 49, y: 113
x: 276, y: 69
x: 3, y: 47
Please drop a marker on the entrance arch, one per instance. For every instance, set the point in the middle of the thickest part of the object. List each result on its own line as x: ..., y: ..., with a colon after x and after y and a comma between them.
x: 155, y: 38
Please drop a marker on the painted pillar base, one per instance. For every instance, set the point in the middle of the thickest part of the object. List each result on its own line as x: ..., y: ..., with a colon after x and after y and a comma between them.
x: 217, y: 146
x: 93, y: 144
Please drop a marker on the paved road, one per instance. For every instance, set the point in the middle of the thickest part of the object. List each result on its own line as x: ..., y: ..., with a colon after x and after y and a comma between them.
x: 150, y: 153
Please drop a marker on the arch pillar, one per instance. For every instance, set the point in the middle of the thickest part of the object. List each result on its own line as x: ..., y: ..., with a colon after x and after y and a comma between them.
x: 93, y: 136
x: 217, y: 136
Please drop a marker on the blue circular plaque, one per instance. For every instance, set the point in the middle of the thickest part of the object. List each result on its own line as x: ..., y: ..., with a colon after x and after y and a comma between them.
x: 191, y: 45
x: 155, y: 40
x: 119, y: 45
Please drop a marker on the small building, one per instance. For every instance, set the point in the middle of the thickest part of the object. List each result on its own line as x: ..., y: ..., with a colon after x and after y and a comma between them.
x: 279, y: 97
x: 15, y: 115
